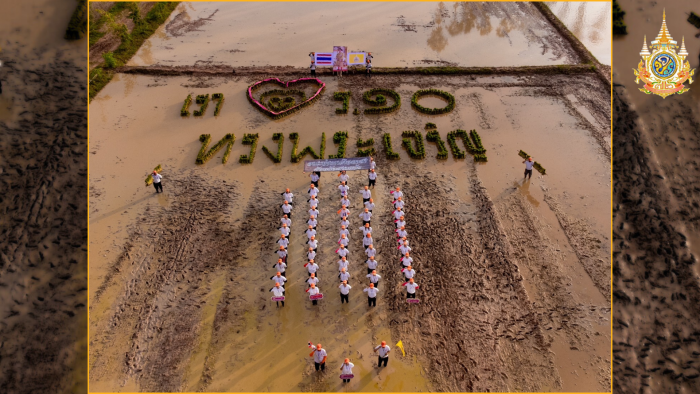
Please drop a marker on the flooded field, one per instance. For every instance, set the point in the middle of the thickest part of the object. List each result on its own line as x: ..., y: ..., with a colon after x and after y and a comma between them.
x: 657, y: 141
x: 398, y: 34
x: 590, y: 22
x: 514, y: 275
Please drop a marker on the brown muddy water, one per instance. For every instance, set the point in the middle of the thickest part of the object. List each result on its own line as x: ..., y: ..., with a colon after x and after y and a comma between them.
x: 43, y: 200
x: 398, y: 34
x: 590, y: 22
x: 515, y: 275
x: 656, y: 203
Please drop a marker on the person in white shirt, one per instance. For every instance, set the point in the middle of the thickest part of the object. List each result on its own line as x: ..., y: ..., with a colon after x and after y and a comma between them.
x: 342, y: 251
x: 344, y: 231
x: 278, y: 291
x: 367, y: 241
x: 319, y: 356
x: 411, y: 287
x: 313, y: 190
x: 366, y: 216
x: 403, y: 240
x: 371, y: 294
x: 370, y: 204
x: 344, y: 275
x: 343, y: 189
x: 343, y: 212
x: 311, y: 254
x: 366, y: 194
x: 343, y: 240
x: 313, y: 280
x: 404, y: 249
x: 408, y: 272
x: 366, y: 229
x: 344, y: 222
x: 343, y: 264
x: 312, y: 222
x: 287, y: 209
x: 284, y: 230
x: 310, y: 232
x: 311, y: 267
x: 313, y: 202
x: 280, y: 266
x: 156, y: 181
x: 344, y: 292
x: 528, y: 167
x: 383, y: 353
x: 372, y: 177
x: 286, y: 220
x: 374, y: 278
x: 400, y: 223
x: 396, y: 193
x: 401, y: 232
x: 346, y: 368
x: 282, y: 253
x: 279, y: 279
x: 398, y: 212
x: 313, y: 243
x: 345, y: 201
x: 371, y: 264
x: 313, y: 212
x: 371, y: 251
x: 399, y: 203
x: 407, y: 260
x: 313, y: 290
x: 315, y: 176
x: 288, y: 196
x: 343, y: 176
x: 283, y: 241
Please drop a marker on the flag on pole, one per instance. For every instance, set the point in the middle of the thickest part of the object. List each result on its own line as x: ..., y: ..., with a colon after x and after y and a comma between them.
x: 324, y: 59
x: 399, y: 345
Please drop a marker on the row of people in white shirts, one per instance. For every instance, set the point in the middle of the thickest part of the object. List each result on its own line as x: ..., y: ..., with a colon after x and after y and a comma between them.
x: 406, y: 259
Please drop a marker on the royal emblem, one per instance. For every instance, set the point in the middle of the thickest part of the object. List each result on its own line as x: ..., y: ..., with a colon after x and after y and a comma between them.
x: 662, y: 70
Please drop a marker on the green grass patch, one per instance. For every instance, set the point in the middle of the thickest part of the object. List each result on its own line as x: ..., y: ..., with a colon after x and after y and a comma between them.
x: 77, y: 27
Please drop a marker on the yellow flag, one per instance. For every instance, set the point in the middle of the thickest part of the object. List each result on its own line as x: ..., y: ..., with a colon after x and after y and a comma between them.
x: 399, y: 344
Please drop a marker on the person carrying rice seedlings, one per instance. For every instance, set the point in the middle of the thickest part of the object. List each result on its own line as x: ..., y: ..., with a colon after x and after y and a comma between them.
x: 529, y: 162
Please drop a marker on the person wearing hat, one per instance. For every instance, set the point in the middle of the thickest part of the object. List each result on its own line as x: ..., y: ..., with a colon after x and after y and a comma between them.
x: 371, y: 294
x: 529, y: 162
x: 343, y: 176
x: 396, y: 193
x: 313, y: 212
x: 278, y: 291
x: 398, y: 212
x: 342, y: 251
x: 319, y: 356
x: 287, y: 209
x: 371, y: 264
x: 288, y: 196
x: 313, y: 290
x: 408, y: 272
x: 372, y: 177
x: 311, y: 267
x: 402, y: 240
x: 342, y: 264
x: 313, y: 190
x: 286, y: 220
x: 283, y: 241
x: 280, y: 266
x: 312, y: 222
x: 279, y: 279
x: 156, y: 181
x: 367, y: 240
x: 344, y: 275
x: 282, y: 253
x: 372, y: 164
x: 313, y: 202
x: 374, y: 278
x: 343, y: 212
x: 346, y: 369
x: 371, y: 251
x: 313, y: 243
x: 384, y: 350
x: 369, y: 204
x: 411, y: 287
x: 368, y: 66
x: 366, y: 194
x: 344, y: 221
x: 315, y: 176
x: 366, y: 229
x: 400, y: 223
x: 344, y: 231
x: 344, y: 200
x: 313, y: 280
x: 311, y: 254
x: 310, y: 232
x: 398, y: 203
x: 402, y: 233
x: 343, y: 240
x: 313, y: 68
x: 284, y: 230
x: 343, y: 188
x: 407, y: 260
x: 404, y: 249
x: 366, y: 217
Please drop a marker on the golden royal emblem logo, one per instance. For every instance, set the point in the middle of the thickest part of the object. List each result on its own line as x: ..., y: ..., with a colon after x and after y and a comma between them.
x: 662, y: 70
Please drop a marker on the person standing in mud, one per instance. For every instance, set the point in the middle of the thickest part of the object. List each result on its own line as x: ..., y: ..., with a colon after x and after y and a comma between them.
x: 367, y: 240
x: 313, y: 243
x: 366, y: 217
x: 371, y: 251
x: 283, y: 241
x: 311, y: 267
x: 346, y: 369
x: 366, y: 194
x: 312, y: 222
x: 374, y: 278
x: 280, y: 267
x: 279, y: 279
x: 344, y: 275
x: 313, y: 280
x: 287, y: 209
x: 319, y: 356
x: 370, y: 204
x: 157, y: 181
x: 529, y: 162
x: 313, y: 290
x: 286, y: 220
x: 371, y: 264
x: 411, y: 287
x: 282, y: 253
x: 369, y: 68
x: 383, y: 354
x: 313, y: 68
x: 278, y: 291
x: 372, y: 178
x: 344, y: 292
x: 288, y: 196
x: 396, y: 193
x: 371, y: 295
x: 408, y: 272
x: 313, y: 190
x: 343, y: 176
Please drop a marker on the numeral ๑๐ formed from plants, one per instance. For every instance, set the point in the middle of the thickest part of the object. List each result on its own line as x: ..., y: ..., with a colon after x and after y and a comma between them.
x: 419, y: 152
x: 294, y: 137
x: 341, y: 138
x: 279, y: 137
x: 345, y: 98
x: 202, y: 99
x: 433, y: 92
x: 390, y: 154
x: 219, y: 97
x: 203, y: 156
x: 434, y: 136
x: 381, y: 100
x: 252, y: 140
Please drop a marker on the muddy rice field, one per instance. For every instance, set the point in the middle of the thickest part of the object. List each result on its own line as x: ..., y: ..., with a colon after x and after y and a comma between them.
x: 514, y: 275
